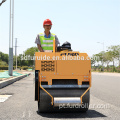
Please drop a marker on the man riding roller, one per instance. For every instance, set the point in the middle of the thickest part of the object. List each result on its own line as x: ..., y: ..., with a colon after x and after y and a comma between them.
x: 44, y: 40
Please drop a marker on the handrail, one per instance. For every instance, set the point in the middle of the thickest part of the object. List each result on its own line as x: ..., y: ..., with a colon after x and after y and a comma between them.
x: 54, y: 45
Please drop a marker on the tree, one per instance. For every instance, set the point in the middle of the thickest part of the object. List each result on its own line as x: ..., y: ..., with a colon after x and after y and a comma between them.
x: 107, y: 58
x: 4, y: 57
x: 115, y: 53
x: 30, y: 52
x: 94, y: 59
x: 3, y: 63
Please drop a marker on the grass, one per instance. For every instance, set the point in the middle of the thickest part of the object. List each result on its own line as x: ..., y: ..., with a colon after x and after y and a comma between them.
x: 1, y: 79
x: 2, y: 71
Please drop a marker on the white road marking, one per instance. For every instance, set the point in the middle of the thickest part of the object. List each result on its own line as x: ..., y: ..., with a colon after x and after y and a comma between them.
x: 3, y: 98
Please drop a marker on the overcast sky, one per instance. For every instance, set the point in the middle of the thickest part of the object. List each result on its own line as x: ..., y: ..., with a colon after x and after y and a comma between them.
x: 83, y: 23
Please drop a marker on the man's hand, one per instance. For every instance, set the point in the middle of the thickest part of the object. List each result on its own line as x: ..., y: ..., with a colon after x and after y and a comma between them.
x: 40, y: 48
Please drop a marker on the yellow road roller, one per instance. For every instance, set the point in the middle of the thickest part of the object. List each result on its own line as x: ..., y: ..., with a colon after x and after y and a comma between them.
x: 62, y: 80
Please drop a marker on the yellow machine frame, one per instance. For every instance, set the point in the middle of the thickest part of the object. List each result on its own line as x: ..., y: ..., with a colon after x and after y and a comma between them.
x: 62, y: 70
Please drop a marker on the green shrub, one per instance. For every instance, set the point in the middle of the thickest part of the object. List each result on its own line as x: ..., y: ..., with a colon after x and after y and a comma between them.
x: 17, y: 67
x: 3, y: 67
x: 3, y: 63
x: 14, y: 67
x: 24, y: 67
x: 118, y: 71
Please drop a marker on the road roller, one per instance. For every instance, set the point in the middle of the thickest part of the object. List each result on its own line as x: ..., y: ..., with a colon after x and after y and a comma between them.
x: 62, y: 80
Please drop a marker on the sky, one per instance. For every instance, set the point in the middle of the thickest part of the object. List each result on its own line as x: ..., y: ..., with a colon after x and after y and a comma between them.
x: 83, y: 23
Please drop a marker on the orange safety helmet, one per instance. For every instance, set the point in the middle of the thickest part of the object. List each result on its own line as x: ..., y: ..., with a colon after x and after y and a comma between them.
x: 47, y: 22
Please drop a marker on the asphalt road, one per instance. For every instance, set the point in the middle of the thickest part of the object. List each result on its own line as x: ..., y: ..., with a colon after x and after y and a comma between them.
x: 104, y: 104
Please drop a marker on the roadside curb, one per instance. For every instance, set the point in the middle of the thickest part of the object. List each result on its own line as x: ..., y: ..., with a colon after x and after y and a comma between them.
x: 12, y: 80
x: 105, y: 73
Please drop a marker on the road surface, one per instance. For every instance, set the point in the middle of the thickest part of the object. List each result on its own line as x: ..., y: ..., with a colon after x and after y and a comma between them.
x: 104, y: 104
